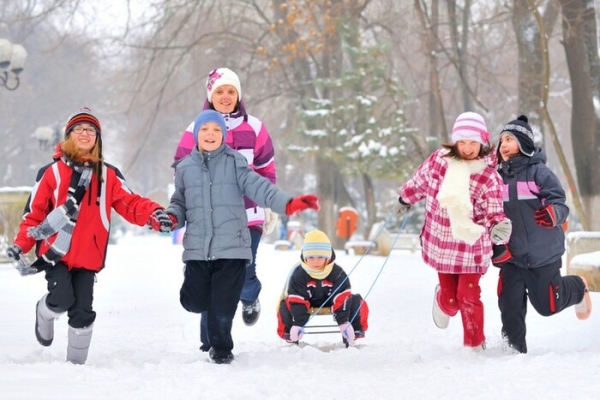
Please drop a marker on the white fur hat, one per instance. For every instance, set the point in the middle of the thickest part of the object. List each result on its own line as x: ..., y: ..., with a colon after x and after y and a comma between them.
x: 470, y: 126
x: 219, y: 77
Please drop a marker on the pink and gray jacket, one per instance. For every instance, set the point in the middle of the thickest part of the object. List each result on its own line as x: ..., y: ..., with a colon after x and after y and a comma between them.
x: 247, y: 135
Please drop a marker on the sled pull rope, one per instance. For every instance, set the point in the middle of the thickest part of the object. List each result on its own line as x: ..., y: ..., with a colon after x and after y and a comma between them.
x: 380, y: 270
x: 359, y: 261
x: 352, y: 270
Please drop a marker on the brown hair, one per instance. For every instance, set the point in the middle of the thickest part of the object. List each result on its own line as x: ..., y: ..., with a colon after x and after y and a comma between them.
x: 69, y: 149
x: 453, y: 151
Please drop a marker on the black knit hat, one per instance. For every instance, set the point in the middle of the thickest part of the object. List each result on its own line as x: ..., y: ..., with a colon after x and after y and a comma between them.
x: 521, y: 130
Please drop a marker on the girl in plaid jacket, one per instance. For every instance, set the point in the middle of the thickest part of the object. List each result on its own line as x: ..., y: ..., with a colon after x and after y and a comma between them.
x: 464, y: 215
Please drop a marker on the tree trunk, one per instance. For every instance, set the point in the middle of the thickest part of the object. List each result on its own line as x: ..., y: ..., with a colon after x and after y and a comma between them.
x: 531, y: 59
x: 582, y: 60
x: 370, y: 204
x: 437, y: 123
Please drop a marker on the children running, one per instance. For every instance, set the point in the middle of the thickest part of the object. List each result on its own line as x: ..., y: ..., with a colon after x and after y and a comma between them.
x: 463, y: 204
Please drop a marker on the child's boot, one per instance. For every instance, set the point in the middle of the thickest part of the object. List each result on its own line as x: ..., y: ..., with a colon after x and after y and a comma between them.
x: 44, y: 322
x: 79, y: 344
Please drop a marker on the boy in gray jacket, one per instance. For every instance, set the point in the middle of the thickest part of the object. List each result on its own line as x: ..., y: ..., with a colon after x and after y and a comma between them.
x: 209, y: 187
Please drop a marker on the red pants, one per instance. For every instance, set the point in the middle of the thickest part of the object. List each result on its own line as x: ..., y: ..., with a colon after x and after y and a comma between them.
x: 461, y: 292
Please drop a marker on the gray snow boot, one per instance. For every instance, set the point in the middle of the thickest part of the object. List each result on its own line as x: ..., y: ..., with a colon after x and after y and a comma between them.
x: 79, y: 344
x: 44, y: 322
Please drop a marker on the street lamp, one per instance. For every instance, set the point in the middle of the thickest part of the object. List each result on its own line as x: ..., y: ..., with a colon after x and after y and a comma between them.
x: 12, y: 57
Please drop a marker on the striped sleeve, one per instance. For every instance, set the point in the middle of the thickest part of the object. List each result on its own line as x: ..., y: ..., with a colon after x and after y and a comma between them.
x: 264, y: 151
x: 186, y: 143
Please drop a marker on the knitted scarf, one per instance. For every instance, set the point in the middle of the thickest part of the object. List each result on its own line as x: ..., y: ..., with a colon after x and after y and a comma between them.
x: 317, y: 274
x: 62, y: 219
x: 454, y: 196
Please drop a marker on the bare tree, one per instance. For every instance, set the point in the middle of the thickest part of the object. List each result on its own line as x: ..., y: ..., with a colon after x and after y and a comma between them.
x: 580, y: 39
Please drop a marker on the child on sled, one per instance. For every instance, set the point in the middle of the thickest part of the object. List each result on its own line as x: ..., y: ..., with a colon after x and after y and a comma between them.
x: 318, y: 282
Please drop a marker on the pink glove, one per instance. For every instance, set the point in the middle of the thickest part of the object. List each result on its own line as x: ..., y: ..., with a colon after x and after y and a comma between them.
x: 347, y: 332
x: 296, y: 333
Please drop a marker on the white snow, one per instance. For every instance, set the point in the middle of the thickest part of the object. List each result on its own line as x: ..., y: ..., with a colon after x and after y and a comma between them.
x: 145, y: 346
x: 587, y: 259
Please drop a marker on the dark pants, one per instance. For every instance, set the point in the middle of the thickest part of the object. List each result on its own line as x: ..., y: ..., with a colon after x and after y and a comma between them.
x: 214, y: 287
x: 250, y: 291
x: 358, y: 319
x: 71, y: 291
x: 252, y: 285
x: 548, y: 292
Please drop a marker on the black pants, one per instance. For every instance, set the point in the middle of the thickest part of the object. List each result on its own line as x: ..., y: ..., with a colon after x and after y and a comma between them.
x: 71, y: 291
x: 250, y: 290
x: 548, y: 292
x: 214, y: 287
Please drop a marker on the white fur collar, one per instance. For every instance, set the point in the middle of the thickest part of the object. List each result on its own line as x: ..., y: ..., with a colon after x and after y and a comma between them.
x: 454, y: 196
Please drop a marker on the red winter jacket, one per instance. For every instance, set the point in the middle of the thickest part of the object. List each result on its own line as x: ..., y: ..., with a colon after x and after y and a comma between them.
x: 90, y: 236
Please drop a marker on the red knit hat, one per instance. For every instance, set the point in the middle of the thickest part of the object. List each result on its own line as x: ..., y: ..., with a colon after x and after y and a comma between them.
x: 83, y: 115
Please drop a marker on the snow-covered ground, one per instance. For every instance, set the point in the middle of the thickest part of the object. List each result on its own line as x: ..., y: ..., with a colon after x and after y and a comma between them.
x: 145, y: 346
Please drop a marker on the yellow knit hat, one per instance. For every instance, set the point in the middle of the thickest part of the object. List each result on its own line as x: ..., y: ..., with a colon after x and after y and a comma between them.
x: 316, y: 244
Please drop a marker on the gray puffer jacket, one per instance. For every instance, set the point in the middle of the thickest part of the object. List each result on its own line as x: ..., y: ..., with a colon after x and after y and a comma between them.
x: 209, y: 190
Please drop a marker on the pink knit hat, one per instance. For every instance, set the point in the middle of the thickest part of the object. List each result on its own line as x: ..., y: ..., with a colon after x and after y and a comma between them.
x: 470, y: 126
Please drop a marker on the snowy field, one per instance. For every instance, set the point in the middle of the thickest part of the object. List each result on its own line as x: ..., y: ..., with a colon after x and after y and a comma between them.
x: 145, y: 346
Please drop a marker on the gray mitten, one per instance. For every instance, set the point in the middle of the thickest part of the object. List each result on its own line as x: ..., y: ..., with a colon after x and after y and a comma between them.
x: 401, y: 208
x: 13, y: 252
x: 500, y: 233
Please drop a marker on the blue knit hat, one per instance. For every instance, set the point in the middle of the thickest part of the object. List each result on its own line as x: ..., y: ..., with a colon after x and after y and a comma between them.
x: 209, y: 116
x: 316, y: 244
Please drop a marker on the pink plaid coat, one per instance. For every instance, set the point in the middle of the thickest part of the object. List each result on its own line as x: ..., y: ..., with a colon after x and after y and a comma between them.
x: 440, y: 249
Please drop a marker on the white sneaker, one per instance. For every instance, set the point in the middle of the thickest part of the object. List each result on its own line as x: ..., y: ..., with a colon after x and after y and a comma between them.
x: 441, y: 319
x: 479, y: 349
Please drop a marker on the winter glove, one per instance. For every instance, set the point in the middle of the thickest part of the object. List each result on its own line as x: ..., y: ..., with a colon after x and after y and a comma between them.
x: 271, y: 220
x: 296, y: 333
x: 25, y: 269
x: 500, y: 233
x: 347, y: 332
x: 301, y: 203
x: 173, y: 221
x: 401, y: 208
x: 546, y: 217
x: 13, y: 252
x: 501, y: 255
x: 160, y: 221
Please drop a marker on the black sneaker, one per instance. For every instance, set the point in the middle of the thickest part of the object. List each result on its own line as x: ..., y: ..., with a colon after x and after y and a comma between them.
x: 220, y: 357
x: 359, y: 334
x: 251, y: 312
x: 514, y: 347
x: 205, y: 347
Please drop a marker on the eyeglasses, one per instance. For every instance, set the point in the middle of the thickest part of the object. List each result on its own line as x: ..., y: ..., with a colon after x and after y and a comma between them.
x: 90, y: 131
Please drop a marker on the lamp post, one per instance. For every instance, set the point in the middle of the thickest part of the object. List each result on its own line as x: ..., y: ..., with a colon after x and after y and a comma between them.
x: 12, y: 58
